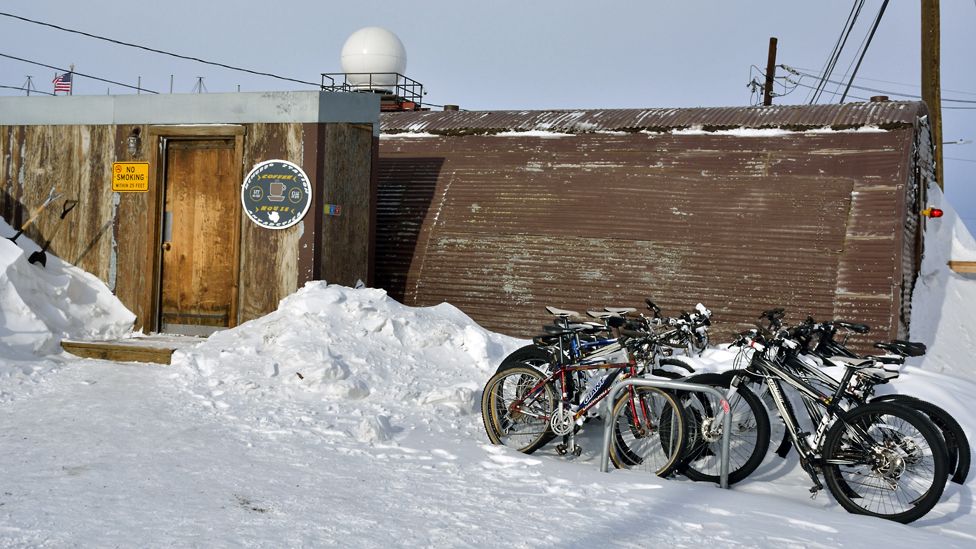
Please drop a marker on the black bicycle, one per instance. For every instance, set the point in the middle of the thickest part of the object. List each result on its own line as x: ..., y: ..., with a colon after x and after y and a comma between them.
x: 879, y: 458
x: 819, y: 347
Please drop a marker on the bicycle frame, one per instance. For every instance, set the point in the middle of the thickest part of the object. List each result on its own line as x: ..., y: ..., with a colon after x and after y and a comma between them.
x: 773, y: 374
x: 625, y: 369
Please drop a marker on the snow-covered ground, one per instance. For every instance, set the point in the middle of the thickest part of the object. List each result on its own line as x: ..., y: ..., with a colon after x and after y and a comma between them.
x: 347, y: 419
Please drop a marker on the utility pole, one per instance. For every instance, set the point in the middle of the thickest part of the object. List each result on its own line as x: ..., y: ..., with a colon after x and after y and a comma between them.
x: 931, y: 86
x: 770, y: 72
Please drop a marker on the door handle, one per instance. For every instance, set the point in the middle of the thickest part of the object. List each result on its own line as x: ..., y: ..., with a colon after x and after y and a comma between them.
x: 166, y: 246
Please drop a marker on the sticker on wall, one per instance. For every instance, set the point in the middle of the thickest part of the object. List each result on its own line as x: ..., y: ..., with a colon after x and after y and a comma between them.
x: 276, y: 194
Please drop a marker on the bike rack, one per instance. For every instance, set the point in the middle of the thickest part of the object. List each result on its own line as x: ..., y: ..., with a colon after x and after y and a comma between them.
x: 677, y: 385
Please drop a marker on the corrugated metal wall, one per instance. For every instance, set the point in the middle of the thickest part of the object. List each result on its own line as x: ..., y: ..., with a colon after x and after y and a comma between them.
x: 501, y: 226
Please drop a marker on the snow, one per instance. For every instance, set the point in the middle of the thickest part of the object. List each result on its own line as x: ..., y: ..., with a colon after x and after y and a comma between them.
x: 771, y: 132
x: 39, y: 306
x: 347, y: 419
x: 413, y: 132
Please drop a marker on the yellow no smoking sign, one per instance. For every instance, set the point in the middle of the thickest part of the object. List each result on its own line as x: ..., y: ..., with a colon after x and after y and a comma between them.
x: 130, y: 177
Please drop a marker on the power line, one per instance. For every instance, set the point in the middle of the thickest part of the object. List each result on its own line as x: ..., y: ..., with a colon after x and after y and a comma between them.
x: 814, y: 74
x: 876, y: 90
x: 877, y: 21
x: 75, y: 72
x: 154, y: 50
x: 959, y: 159
x: 802, y: 85
x: 838, y: 48
x: 23, y: 89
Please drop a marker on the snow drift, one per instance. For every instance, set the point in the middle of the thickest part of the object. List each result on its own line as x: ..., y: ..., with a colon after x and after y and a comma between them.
x: 942, y: 305
x: 39, y: 306
x: 329, y: 348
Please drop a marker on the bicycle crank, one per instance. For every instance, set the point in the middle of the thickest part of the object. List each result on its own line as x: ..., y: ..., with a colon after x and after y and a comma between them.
x: 562, y: 422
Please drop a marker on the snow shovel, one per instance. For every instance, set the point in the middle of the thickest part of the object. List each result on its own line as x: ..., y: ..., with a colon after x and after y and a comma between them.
x: 40, y: 256
x: 51, y: 197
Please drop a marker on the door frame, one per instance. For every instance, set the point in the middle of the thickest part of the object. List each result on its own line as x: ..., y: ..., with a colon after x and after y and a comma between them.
x: 156, y: 139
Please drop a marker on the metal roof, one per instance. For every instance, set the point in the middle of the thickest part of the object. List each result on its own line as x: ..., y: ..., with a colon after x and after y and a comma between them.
x: 885, y: 114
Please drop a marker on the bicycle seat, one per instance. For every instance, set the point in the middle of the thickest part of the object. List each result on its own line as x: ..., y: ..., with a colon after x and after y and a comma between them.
x: 564, y: 313
x: 620, y: 310
x: 852, y: 326
x: 856, y: 363
x: 877, y: 375
x: 571, y: 329
x: 601, y: 314
x: 902, y: 347
x: 887, y: 359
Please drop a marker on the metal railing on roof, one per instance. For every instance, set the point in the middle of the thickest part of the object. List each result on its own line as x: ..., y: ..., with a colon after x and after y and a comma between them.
x: 389, y: 83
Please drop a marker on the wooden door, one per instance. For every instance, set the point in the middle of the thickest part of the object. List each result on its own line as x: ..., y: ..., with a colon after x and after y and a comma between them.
x: 200, y: 236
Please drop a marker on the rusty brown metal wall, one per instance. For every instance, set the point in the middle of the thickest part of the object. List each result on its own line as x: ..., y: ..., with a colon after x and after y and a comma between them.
x: 501, y: 226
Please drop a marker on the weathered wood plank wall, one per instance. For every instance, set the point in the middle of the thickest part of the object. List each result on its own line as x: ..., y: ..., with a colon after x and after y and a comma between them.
x: 77, y: 161
x: 133, y: 281
x: 108, y: 233
x: 269, y: 258
x: 346, y: 241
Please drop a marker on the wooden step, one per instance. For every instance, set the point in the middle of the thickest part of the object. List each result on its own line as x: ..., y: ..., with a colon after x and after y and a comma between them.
x: 155, y: 348
x: 963, y: 266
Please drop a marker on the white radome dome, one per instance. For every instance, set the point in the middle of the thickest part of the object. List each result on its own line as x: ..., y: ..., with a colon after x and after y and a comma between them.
x: 373, y: 50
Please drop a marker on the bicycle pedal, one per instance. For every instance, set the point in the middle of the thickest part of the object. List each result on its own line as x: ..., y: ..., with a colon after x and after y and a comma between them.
x: 561, y: 449
x: 815, y: 491
x: 578, y: 451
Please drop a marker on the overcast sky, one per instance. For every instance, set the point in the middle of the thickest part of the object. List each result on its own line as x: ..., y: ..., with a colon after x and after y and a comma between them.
x: 537, y: 54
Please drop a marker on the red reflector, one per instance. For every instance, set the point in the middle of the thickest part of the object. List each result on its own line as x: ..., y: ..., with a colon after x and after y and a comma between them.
x: 935, y: 213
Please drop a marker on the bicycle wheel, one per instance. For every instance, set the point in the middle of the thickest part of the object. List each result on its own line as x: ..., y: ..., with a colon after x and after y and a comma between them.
x: 516, y: 407
x: 748, y: 441
x: 885, y: 460
x: 532, y: 355
x: 957, y: 445
x: 648, y: 431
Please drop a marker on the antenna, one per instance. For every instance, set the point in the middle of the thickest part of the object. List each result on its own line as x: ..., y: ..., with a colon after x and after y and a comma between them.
x: 29, y: 85
x: 199, y: 87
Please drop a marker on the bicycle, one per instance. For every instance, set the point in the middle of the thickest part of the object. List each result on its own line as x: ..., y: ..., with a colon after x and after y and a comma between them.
x: 877, y: 459
x: 829, y: 352
x: 525, y: 408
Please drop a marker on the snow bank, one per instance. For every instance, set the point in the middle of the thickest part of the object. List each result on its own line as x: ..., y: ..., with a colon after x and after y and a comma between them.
x: 330, y: 348
x: 39, y: 306
x: 943, y: 300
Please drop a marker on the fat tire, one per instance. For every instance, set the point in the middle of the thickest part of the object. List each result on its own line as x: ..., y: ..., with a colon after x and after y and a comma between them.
x: 507, y: 385
x: 656, y: 450
x: 924, y: 441
x: 957, y: 444
x: 702, y: 460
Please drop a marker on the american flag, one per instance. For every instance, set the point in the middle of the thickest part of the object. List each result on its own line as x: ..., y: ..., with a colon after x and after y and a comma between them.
x: 62, y: 83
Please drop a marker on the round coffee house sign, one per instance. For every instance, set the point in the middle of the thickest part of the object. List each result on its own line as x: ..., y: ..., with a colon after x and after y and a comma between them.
x: 276, y: 194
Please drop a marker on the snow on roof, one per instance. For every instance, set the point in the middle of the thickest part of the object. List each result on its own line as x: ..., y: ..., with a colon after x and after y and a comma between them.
x: 888, y: 114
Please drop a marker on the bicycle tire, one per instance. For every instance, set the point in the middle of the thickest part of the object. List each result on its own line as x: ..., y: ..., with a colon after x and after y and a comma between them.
x: 957, y: 444
x: 748, y: 443
x: 526, y: 431
x: 885, y: 460
x: 654, y: 439
x: 529, y: 354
